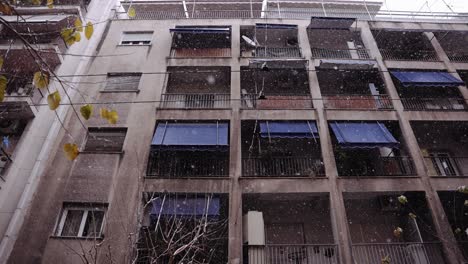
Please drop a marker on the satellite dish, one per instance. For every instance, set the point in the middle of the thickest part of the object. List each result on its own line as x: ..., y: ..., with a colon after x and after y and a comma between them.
x: 249, y: 41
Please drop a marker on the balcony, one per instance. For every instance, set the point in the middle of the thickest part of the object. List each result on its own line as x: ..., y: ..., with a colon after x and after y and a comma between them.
x: 281, y: 149
x: 197, y: 88
x: 434, y: 104
x: 18, y: 89
x: 451, y: 43
x: 275, y: 84
x: 5, y: 161
x: 270, y: 41
x: 381, y: 227
x: 404, y: 45
x: 357, y: 102
x: 446, y: 165
x: 201, y: 42
x: 323, y: 53
x: 401, y: 253
x: 270, y: 237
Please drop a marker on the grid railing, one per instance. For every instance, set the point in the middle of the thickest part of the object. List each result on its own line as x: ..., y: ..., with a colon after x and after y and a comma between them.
x: 205, y: 52
x: 282, y: 52
x: 283, y: 101
x: 291, y: 254
x: 379, y: 166
x: 192, y: 100
x: 439, y: 104
x: 5, y: 160
x: 408, y: 55
x: 447, y: 166
x: 340, y: 53
x: 401, y: 253
x: 356, y: 101
x: 163, y: 166
x: 457, y: 56
x: 302, y: 166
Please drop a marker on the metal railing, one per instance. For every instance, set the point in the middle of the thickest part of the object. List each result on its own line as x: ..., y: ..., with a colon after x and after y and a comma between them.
x: 446, y: 166
x: 439, y: 104
x: 24, y: 91
x: 283, y: 167
x: 283, y: 52
x: 160, y: 165
x: 356, y: 101
x: 291, y: 254
x: 401, y: 253
x: 457, y: 56
x: 340, y: 53
x: 5, y: 160
x: 379, y: 166
x: 407, y: 55
x: 284, y: 101
x: 205, y: 52
x: 190, y: 101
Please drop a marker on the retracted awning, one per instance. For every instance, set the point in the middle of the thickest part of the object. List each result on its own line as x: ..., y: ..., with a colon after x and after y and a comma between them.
x: 275, y: 26
x: 363, y: 135
x: 331, y: 23
x: 191, y: 136
x: 195, y: 206
x: 436, y: 79
x: 347, y: 64
x: 283, y: 129
x: 201, y: 30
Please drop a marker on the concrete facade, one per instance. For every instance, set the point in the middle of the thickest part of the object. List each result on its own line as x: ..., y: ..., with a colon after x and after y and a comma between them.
x: 119, y: 180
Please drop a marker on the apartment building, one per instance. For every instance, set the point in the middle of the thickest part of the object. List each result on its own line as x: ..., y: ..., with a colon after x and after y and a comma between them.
x: 255, y: 132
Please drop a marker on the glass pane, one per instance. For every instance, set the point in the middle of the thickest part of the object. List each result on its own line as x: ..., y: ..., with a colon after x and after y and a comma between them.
x: 93, y: 224
x: 72, y: 223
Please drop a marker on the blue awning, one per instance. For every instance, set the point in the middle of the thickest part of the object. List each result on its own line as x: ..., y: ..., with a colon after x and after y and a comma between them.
x: 414, y: 78
x: 187, y: 206
x: 279, y: 129
x: 191, y: 136
x: 363, y: 135
x: 275, y: 26
x: 201, y: 30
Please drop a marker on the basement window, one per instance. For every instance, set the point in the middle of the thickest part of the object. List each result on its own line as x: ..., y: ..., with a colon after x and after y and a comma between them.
x: 137, y: 38
x: 81, y: 221
x: 108, y: 139
x: 122, y: 82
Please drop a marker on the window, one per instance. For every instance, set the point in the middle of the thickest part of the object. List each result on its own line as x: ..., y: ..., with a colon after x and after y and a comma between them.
x: 137, y: 38
x: 81, y: 221
x: 122, y: 82
x: 105, y: 139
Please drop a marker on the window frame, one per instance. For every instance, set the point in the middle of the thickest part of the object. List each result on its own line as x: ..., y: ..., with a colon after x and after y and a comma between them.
x: 86, y: 209
x: 141, y: 42
x: 121, y: 74
x: 104, y: 130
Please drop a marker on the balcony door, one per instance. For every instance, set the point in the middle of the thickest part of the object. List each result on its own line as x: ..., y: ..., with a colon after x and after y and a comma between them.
x: 444, y: 164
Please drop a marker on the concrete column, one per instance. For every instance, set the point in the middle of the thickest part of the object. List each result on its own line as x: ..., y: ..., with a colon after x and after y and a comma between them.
x: 337, y: 209
x: 441, y: 223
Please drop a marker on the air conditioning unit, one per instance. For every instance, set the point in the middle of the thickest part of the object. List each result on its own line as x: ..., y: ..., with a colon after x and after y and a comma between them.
x: 9, y: 126
x: 389, y: 203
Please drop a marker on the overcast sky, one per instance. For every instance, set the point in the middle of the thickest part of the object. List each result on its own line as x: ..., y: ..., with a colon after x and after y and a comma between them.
x: 426, y: 5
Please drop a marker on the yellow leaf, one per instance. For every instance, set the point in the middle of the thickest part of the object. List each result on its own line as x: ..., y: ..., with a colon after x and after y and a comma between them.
x: 53, y: 100
x: 1, y: 62
x: 78, y: 25
x: 113, y: 117
x: 41, y: 79
x: 104, y: 113
x: 77, y: 37
x: 71, y: 150
x: 6, y: 9
x: 86, y: 111
x: 89, y: 29
x: 3, y: 82
x: 36, y: 2
x: 2, y: 95
x: 68, y: 35
x: 131, y: 12
x: 50, y: 3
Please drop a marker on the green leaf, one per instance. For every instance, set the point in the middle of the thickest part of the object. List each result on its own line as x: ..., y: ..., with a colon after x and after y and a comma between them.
x: 86, y: 111
x: 71, y: 151
x: 89, y: 29
x: 78, y: 25
x: 131, y: 12
x: 41, y: 80
x: 113, y: 117
x: 53, y: 100
x: 1, y: 62
x: 3, y: 82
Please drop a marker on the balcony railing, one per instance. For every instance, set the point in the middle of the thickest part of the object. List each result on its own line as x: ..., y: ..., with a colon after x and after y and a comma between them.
x: 5, y: 160
x: 284, y: 101
x: 160, y: 165
x: 457, y: 56
x: 283, y: 52
x: 340, y: 53
x: 192, y: 100
x: 291, y: 254
x: 380, y: 166
x: 338, y: 101
x: 416, y: 55
x: 447, y: 166
x: 24, y: 91
x: 283, y: 167
x: 401, y: 253
x: 439, y: 104
x: 205, y: 52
